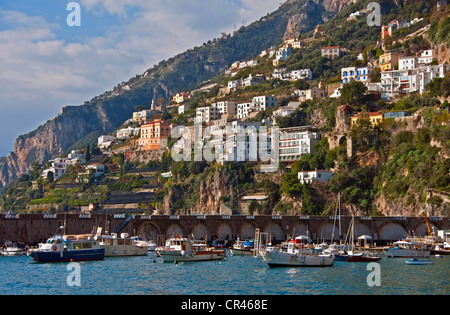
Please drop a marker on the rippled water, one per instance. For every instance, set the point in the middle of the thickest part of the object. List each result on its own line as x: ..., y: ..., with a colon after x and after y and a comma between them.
x: 238, y: 275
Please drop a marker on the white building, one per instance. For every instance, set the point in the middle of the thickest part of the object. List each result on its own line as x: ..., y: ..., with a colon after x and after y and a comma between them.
x: 182, y: 108
x: 264, y: 102
x: 105, y: 141
x: 126, y: 133
x: 97, y: 169
x: 426, y: 57
x: 226, y: 107
x: 407, y: 63
x: 234, y: 84
x: 305, y: 74
x: 294, y: 75
x: 282, y: 54
x: 206, y: 114
x: 253, y: 80
x: 239, y: 141
x: 396, y: 82
x: 355, y: 74
x: 244, y: 109
x: 59, y: 165
x: 297, y: 141
x: 309, y: 177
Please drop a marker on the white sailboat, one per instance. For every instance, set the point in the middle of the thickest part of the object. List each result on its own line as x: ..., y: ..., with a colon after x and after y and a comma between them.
x: 354, y: 256
x: 338, y: 251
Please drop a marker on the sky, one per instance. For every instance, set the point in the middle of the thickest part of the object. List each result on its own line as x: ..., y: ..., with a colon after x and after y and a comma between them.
x: 45, y: 64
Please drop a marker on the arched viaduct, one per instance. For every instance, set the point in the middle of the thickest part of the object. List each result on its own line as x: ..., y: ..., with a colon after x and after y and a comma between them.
x: 34, y: 228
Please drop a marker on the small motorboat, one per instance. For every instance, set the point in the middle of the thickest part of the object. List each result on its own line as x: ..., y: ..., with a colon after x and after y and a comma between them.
x: 415, y: 261
x: 11, y: 249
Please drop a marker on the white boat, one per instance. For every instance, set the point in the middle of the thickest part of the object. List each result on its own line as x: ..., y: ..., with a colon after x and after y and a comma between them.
x: 11, y: 249
x: 150, y: 245
x: 408, y: 249
x: 120, y: 246
x: 242, y: 247
x: 64, y: 248
x: 415, y: 261
x: 338, y: 251
x: 293, y: 257
x: 181, y: 249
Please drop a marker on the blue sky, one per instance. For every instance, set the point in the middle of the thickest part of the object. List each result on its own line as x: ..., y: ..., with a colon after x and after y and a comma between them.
x: 45, y: 64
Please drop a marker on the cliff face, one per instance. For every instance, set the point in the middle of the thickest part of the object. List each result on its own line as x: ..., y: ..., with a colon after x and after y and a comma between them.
x: 310, y: 14
x: 50, y: 140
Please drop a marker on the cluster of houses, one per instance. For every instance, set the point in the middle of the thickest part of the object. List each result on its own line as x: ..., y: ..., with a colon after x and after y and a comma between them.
x: 402, y: 74
x: 58, y: 168
x: 399, y: 74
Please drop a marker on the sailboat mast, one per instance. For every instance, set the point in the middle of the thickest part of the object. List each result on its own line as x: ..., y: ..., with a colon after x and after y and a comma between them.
x: 339, y: 207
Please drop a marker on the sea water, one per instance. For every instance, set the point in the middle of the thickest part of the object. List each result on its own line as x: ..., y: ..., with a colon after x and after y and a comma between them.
x: 237, y: 275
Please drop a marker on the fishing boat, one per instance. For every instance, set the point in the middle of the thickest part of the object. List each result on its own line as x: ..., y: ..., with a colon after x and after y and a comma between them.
x: 11, y: 249
x: 242, y: 247
x: 415, y: 261
x: 115, y: 246
x: 181, y: 249
x: 63, y: 248
x: 408, y: 249
x: 295, y: 257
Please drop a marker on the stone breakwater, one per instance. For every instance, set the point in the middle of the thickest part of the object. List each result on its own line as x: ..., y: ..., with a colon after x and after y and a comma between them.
x: 33, y: 228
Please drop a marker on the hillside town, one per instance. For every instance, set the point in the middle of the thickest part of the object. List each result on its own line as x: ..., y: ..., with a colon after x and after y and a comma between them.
x: 238, y: 114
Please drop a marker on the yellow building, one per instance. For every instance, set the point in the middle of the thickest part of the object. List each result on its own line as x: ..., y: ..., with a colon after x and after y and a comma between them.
x: 375, y: 118
x: 389, y: 61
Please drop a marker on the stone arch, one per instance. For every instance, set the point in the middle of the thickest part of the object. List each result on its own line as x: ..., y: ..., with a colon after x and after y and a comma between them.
x: 226, y: 232
x: 342, y: 140
x: 422, y: 229
x: 247, y: 231
x: 362, y: 229
x: 275, y: 231
x: 325, y: 232
x: 392, y: 232
x: 298, y: 229
x: 175, y: 229
x: 202, y: 232
x: 148, y: 231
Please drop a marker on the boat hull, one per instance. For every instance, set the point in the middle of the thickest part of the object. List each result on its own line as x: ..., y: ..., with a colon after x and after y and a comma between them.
x: 64, y: 256
x: 282, y: 259
x: 169, y: 256
x: 338, y: 257
x: 358, y: 258
x: 123, y: 250
x: 240, y: 252
x: 407, y: 253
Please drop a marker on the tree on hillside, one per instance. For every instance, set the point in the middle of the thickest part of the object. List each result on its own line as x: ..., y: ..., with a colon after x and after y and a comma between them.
x: 353, y: 93
x: 363, y: 133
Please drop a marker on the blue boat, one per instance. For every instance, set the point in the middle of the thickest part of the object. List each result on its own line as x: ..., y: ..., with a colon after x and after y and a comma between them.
x: 66, y: 248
